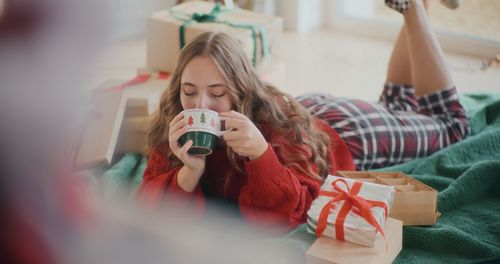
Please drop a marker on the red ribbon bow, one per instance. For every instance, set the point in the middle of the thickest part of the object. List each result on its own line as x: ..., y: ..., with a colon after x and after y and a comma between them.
x: 362, y: 207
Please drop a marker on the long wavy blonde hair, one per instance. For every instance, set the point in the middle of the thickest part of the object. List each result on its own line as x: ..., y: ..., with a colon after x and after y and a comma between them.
x: 264, y: 105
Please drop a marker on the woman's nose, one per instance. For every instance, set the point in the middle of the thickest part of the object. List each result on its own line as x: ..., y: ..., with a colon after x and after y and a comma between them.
x: 203, y: 102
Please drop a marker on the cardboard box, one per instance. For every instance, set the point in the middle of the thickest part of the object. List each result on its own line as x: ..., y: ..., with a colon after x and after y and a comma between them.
x: 142, y: 93
x: 327, y: 250
x: 163, y: 43
x: 113, y: 105
x: 102, y: 127
x: 137, y: 123
x: 144, y: 99
x: 414, y: 202
x: 138, y: 108
x: 132, y: 141
x: 134, y: 135
x: 142, y: 102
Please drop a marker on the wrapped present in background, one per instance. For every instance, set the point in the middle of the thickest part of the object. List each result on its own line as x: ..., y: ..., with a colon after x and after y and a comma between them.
x: 169, y: 30
x: 350, y: 210
x: 119, y: 118
x: 143, y: 101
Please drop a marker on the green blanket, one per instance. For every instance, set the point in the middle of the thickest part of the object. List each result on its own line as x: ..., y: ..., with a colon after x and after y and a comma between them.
x: 466, y: 174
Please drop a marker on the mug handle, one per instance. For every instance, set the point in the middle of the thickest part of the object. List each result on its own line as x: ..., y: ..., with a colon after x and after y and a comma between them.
x: 221, y: 133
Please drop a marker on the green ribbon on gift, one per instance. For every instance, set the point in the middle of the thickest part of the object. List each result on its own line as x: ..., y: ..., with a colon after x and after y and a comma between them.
x: 212, y: 17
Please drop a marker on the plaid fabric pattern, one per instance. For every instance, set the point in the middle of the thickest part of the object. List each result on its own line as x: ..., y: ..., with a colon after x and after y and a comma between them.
x: 398, y: 5
x: 398, y: 128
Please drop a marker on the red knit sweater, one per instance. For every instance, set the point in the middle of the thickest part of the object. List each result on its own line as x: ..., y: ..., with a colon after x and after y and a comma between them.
x: 269, y: 193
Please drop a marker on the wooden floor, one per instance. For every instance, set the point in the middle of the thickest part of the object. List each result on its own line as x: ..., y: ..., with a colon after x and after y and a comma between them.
x: 321, y: 61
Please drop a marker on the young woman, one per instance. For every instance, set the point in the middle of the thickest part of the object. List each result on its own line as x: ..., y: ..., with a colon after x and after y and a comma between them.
x: 273, y: 161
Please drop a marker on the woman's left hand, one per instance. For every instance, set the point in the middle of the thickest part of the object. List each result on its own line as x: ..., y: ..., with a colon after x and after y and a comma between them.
x: 244, y: 137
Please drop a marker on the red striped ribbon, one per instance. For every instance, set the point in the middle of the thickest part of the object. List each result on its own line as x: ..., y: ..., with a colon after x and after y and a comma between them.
x: 357, y: 204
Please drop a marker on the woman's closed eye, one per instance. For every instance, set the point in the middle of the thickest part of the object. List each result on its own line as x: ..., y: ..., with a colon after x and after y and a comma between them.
x: 217, y: 90
x: 186, y: 93
x: 189, y: 91
x: 218, y: 94
x: 214, y: 90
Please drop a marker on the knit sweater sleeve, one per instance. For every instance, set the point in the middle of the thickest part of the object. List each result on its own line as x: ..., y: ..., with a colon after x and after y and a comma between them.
x: 277, y: 194
x: 160, y: 179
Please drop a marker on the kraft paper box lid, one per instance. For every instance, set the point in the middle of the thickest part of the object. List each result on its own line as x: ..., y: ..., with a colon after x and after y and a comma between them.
x: 327, y: 250
x: 415, y: 203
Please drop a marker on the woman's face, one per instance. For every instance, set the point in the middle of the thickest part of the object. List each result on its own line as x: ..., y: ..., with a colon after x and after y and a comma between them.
x: 202, y: 86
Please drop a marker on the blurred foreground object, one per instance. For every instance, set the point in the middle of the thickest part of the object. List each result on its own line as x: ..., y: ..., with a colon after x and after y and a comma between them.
x: 49, y: 213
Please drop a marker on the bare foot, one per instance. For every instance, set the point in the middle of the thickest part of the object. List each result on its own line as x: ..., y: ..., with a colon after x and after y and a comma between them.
x: 425, y: 3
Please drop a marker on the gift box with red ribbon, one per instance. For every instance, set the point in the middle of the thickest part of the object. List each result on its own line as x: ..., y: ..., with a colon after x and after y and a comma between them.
x: 350, y: 210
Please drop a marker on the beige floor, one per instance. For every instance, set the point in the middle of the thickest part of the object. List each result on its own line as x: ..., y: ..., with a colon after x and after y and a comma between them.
x: 321, y: 61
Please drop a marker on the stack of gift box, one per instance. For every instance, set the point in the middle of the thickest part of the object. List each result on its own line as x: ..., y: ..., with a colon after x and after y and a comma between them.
x: 350, y: 219
x: 122, y: 110
x: 358, y: 216
x: 119, y: 119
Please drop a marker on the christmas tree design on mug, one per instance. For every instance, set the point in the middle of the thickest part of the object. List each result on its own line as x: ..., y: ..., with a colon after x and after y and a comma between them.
x: 204, y: 135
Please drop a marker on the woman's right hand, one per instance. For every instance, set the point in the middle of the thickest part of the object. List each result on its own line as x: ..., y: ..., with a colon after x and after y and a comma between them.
x: 177, y: 129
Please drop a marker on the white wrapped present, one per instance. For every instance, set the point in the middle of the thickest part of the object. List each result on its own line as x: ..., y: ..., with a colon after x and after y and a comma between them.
x: 350, y: 210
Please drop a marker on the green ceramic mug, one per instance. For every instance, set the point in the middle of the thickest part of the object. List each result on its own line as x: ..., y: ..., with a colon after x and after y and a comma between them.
x: 204, y: 129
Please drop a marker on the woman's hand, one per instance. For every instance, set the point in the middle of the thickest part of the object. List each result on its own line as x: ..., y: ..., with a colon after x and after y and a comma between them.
x: 243, y: 136
x: 177, y: 129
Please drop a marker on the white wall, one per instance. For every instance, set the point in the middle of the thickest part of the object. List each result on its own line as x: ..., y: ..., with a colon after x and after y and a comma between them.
x: 129, y: 16
x: 301, y: 15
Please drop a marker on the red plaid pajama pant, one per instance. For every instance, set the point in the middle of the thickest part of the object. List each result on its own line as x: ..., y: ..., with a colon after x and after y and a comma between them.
x: 398, y: 128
